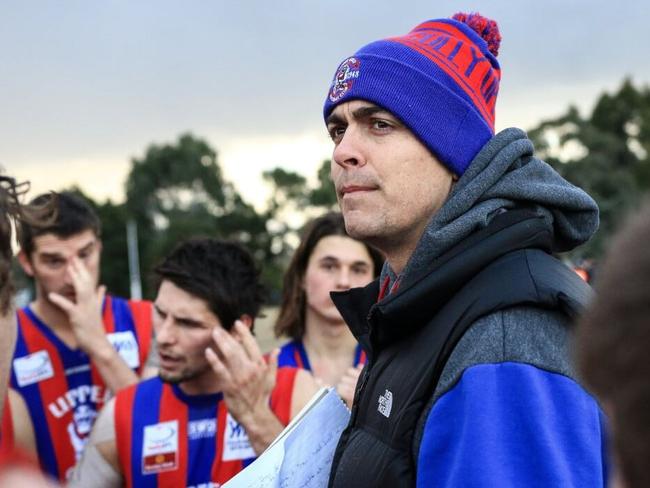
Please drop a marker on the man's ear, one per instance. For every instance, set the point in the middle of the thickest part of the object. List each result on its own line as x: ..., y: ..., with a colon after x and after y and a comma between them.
x: 247, y: 320
x: 25, y: 263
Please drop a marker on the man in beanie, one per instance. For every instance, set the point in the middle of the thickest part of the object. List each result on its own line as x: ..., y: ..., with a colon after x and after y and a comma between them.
x: 468, y: 381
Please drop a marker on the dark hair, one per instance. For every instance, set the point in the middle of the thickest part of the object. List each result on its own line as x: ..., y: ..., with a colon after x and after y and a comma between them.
x: 70, y: 215
x: 613, y: 340
x: 11, y: 208
x: 291, y: 320
x: 221, y: 273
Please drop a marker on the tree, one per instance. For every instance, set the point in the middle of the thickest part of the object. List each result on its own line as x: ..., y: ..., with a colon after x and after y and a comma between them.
x: 177, y: 191
x: 605, y: 153
x: 324, y: 194
x: 291, y: 196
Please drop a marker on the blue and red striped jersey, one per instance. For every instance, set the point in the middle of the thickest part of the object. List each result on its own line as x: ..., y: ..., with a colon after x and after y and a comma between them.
x: 293, y: 354
x: 166, y: 438
x: 62, y: 389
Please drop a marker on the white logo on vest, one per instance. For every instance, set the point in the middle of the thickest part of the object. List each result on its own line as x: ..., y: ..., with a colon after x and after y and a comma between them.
x: 385, y: 403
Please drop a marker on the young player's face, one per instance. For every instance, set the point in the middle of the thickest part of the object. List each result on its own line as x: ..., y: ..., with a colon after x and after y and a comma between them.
x: 183, y: 325
x: 387, y: 182
x: 49, y: 263
x: 337, y: 263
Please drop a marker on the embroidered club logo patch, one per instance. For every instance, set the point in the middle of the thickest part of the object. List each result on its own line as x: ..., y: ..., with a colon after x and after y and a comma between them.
x: 346, y: 74
x: 160, y: 447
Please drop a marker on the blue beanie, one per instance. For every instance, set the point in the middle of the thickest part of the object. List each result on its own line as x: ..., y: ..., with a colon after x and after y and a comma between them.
x: 441, y: 80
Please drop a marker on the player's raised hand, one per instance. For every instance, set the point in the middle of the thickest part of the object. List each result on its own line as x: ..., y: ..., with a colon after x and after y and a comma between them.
x: 85, y: 312
x: 245, y: 377
x: 246, y: 380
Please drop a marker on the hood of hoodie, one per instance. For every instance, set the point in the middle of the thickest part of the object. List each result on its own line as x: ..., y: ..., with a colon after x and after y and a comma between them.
x: 504, y: 175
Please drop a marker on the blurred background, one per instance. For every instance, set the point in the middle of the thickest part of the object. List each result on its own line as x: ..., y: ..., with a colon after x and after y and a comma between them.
x: 205, y: 118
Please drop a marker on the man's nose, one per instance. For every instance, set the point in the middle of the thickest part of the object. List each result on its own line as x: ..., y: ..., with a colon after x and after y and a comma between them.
x: 67, y: 277
x: 165, y: 331
x: 348, y: 152
x: 343, y: 279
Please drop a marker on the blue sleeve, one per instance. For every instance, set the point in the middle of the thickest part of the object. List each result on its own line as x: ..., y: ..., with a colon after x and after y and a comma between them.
x: 512, y: 424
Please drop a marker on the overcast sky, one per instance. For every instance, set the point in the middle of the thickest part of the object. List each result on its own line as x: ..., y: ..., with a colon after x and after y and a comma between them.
x: 87, y: 85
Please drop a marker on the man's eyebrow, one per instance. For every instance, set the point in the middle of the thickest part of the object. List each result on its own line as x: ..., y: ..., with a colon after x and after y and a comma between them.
x: 178, y: 318
x: 87, y: 247
x: 187, y: 321
x: 368, y: 111
x: 334, y: 119
x: 51, y: 255
x: 360, y: 113
x: 328, y: 258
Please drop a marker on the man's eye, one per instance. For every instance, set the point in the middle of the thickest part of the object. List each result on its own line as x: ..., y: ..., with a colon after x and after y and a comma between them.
x: 336, y: 133
x: 381, y: 124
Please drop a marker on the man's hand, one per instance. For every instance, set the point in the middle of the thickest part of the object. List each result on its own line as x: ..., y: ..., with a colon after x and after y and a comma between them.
x: 85, y: 317
x: 246, y: 380
x: 348, y: 384
x: 85, y: 314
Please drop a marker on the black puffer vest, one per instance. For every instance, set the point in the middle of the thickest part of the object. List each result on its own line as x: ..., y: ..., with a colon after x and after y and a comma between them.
x: 409, y: 337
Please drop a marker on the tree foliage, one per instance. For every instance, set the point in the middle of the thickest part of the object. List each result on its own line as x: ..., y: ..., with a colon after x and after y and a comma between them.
x: 291, y: 189
x: 323, y: 194
x: 177, y: 191
x: 605, y: 153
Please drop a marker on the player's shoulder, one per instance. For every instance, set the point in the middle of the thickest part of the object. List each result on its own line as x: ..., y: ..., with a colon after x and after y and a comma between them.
x: 148, y: 386
x: 130, y: 301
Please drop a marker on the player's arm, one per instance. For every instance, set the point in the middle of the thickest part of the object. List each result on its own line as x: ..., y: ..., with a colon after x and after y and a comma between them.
x: 99, y: 465
x: 85, y: 315
x: 246, y: 380
x: 22, y: 424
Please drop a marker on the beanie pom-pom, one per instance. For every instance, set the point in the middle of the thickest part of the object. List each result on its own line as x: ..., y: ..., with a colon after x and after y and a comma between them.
x: 484, y: 27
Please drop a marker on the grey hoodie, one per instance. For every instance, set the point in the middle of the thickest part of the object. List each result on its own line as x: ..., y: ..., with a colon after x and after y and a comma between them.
x: 504, y: 175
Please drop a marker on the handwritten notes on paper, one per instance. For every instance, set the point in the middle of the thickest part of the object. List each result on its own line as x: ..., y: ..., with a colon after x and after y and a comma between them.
x: 302, y: 454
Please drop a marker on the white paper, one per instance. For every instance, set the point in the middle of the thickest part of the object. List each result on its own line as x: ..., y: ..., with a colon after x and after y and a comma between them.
x: 302, y: 454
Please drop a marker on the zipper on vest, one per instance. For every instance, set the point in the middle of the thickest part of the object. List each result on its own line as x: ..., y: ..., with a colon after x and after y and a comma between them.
x: 358, y: 392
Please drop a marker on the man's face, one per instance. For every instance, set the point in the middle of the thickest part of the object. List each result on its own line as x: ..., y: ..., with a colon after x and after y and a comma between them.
x: 387, y: 182
x: 183, y: 324
x: 52, y: 256
x: 336, y: 263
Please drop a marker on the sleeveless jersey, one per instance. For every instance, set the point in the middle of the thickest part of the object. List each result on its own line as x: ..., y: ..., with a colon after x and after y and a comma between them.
x: 293, y: 354
x: 63, y: 390
x: 166, y: 438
